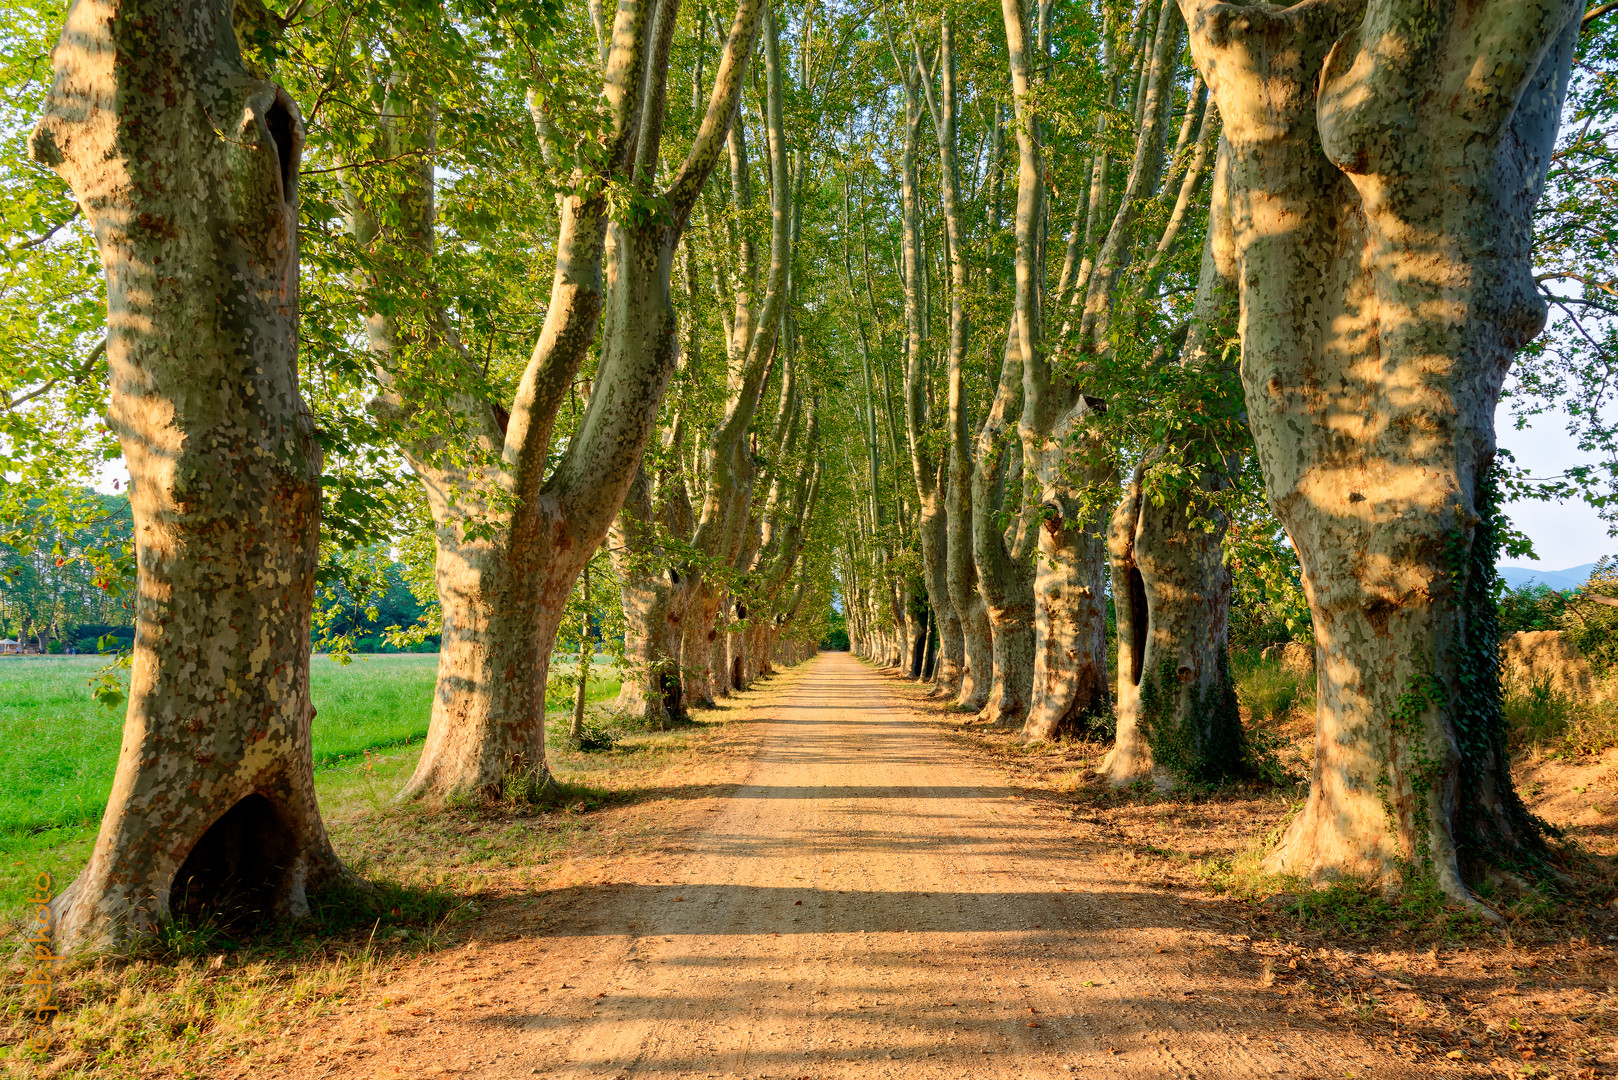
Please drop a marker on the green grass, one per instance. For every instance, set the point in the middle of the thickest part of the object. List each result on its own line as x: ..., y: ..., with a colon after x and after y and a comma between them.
x: 62, y: 749
x: 1268, y: 690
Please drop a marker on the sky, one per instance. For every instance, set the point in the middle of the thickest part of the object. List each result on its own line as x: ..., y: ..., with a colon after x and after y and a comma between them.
x: 1564, y: 534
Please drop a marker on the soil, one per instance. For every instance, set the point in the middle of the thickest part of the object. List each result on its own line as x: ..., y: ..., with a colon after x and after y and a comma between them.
x: 883, y: 894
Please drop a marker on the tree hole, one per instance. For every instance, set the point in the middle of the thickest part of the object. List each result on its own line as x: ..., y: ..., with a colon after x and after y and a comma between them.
x: 236, y: 869
x: 1138, y: 620
x: 284, y: 132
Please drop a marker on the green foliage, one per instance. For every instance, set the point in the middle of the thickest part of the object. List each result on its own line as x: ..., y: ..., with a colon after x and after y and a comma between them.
x: 1267, y: 603
x: 1568, y: 371
x: 54, y: 444
x: 836, y: 637
x: 65, y: 569
x: 366, y: 602
x: 1591, y: 627
x: 1530, y: 608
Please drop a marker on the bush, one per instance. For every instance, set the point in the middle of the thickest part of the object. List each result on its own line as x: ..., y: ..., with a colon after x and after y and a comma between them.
x: 1531, y: 608
x: 1268, y: 690
x: 1592, y: 627
x: 1540, y: 720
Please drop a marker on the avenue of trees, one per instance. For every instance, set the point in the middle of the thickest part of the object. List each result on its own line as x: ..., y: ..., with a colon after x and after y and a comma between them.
x: 973, y: 330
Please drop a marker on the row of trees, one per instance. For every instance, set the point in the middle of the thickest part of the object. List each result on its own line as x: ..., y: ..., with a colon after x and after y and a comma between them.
x: 956, y: 313
x: 1266, y: 269
x: 64, y: 583
x: 180, y: 134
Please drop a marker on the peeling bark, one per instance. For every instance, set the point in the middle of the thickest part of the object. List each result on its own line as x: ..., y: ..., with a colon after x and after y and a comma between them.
x: 1385, y: 159
x: 1173, y: 588
x: 186, y: 166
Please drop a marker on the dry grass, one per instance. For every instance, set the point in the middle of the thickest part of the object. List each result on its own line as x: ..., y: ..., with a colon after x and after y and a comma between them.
x: 1542, y: 722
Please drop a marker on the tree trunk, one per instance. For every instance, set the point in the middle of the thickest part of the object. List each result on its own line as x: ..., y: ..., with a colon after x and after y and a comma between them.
x: 1173, y: 588
x: 977, y: 644
x: 1007, y: 583
x: 696, y: 650
x: 967, y: 618
x: 1070, y: 609
x: 581, y: 695
x: 1385, y: 160
x: 653, y: 593
x: 486, y: 725
x: 213, y: 801
x: 488, y: 722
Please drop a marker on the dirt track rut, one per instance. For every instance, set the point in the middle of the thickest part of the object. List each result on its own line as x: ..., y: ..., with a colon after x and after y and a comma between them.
x: 871, y: 902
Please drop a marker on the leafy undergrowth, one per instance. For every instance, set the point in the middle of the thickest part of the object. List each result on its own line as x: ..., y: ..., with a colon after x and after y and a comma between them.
x: 209, y: 996
x: 1410, y: 970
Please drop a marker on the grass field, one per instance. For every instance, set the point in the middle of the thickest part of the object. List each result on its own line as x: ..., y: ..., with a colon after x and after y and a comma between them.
x: 62, y: 747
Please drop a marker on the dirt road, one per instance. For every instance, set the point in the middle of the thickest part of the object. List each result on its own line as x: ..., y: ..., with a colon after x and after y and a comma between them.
x: 870, y: 903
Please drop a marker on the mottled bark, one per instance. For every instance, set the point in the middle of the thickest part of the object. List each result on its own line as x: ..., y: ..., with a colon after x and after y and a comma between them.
x: 967, y: 617
x: 1172, y: 590
x: 650, y: 587
x: 185, y: 166
x: 1005, y: 581
x: 1385, y: 160
x: 1070, y: 608
x: 487, y: 726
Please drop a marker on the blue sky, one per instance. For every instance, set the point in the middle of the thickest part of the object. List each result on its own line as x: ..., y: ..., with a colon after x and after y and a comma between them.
x: 1564, y: 534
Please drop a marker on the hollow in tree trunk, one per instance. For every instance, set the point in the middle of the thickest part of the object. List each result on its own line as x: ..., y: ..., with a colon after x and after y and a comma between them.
x: 213, y: 799
x: 1166, y: 544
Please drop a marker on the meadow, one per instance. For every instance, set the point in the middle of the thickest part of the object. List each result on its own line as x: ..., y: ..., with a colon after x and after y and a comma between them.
x: 62, y: 746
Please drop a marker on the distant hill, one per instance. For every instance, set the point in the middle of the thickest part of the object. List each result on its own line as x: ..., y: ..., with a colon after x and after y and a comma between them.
x: 1571, y: 578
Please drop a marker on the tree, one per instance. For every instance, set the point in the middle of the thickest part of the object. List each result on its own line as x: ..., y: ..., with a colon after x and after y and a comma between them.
x: 967, y: 611
x: 513, y: 530
x: 1176, y: 704
x: 1384, y: 162
x: 214, y: 791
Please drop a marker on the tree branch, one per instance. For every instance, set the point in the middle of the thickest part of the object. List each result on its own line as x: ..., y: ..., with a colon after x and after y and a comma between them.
x: 40, y: 241
x: 78, y: 376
